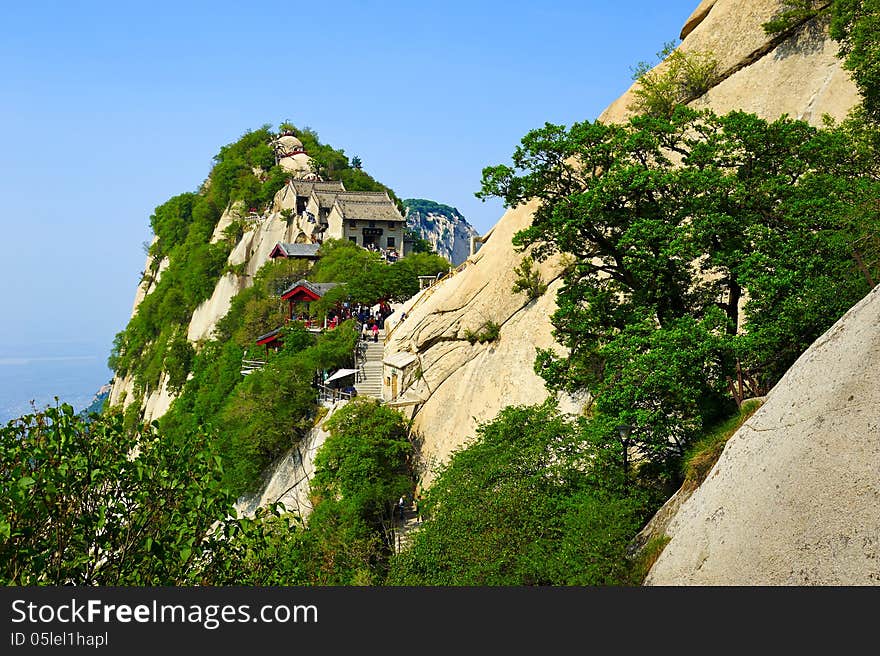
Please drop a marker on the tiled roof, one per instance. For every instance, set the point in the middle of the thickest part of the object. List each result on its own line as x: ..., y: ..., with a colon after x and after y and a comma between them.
x: 299, y: 250
x: 367, y: 196
x: 317, y: 288
x: 369, y: 210
x: 325, y: 198
x: 306, y: 187
x: 271, y: 333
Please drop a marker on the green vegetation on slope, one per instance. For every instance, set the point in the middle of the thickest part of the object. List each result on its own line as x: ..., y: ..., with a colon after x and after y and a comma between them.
x: 776, y: 211
x: 531, y: 502
x: 259, y: 416
x: 361, y: 469
x: 245, y: 176
x: 84, y: 502
x: 425, y: 207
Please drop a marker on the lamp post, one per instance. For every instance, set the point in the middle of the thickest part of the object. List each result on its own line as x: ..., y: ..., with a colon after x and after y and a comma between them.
x: 625, y: 430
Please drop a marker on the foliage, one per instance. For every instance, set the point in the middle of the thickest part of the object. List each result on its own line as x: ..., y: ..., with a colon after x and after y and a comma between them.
x: 527, y: 503
x: 368, y: 279
x: 704, y: 453
x: 84, y: 502
x: 419, y: 244
x: 683, y: 76
x: 267, y: 413
x: 855, y: 24
x: 647, y: 556
x: 244, y: 176
x: 360, y: 470
x: 487, y: 332
x: 261, y: 415
x: 794, y: 13
x: 234, y: 231
x: 425, y: 207
x: 341, y: 260
x: 672, y: 222
x: 529, y: 280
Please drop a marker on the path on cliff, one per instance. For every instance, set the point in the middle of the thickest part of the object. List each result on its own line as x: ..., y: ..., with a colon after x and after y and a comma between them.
x: 411, y: 522
x: 371, y: 379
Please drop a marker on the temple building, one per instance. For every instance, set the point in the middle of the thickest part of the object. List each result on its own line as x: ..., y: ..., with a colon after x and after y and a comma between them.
x: 324, y: 209
x: 300, y: 296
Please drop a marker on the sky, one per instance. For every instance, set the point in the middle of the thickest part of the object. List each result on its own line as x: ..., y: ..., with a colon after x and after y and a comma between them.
x: 107, y: 109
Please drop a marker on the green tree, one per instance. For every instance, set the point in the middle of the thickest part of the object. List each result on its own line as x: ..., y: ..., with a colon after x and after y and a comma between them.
x: 670, y: 221
x: 682, y: 77
x: 793, y: 14
x: 529, y: 280
x: 855, y: 24
x: 526, y: 503
x: 84, y: 502
x: 360, y: 472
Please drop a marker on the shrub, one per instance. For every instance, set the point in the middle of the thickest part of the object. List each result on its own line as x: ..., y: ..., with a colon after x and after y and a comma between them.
x: 529, y: 280
x: 683, y: 77
x: 488, y: 332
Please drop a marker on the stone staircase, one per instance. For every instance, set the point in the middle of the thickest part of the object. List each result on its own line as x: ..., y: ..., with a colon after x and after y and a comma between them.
x: 371, y: 382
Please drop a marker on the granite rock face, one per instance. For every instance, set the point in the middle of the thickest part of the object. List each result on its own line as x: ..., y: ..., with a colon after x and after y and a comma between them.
x: 794, y: 498
x: 448, y: 232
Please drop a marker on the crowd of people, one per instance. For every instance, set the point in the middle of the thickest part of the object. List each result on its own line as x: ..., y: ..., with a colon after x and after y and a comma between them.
x: 366, y: 316
x: 389, y: 254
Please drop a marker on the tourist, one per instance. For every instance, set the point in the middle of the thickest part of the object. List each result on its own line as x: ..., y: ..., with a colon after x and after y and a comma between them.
x: 375, y: 332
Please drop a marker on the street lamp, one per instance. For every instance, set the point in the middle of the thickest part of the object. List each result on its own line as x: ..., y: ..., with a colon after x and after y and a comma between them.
x: 625, y: 430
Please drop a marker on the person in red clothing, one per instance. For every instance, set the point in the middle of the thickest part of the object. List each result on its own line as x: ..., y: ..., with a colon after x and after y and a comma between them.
x: 375, y: 330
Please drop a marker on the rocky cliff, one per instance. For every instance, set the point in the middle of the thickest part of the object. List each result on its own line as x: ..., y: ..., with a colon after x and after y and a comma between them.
x: 463, y: 383
x: 443, y: 226
x: 252, y: 251
x: 261, y: 234
x: 794, y: 498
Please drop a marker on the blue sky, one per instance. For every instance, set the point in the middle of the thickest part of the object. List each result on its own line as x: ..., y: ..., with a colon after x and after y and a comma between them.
x: 108, y: 109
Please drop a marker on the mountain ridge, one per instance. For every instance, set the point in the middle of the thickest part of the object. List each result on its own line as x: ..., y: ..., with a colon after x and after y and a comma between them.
x: 443, y: 226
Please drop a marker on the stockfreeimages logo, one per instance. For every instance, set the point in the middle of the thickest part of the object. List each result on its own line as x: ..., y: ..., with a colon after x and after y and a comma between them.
x: 209, y: 616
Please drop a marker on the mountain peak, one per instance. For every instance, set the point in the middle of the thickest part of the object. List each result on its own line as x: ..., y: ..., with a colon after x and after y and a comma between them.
x: 448, y: 232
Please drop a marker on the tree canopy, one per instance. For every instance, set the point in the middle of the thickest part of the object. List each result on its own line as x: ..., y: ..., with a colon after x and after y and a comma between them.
x: 709, y: 252
x: 84, y: 502
x: 529, y: 502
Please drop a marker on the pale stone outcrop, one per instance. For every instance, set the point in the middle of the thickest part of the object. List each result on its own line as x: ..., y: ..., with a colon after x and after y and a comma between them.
x: 252, y: 250
x: 122, y: 389
x: 806, y: 78
x: 150, y: 280
x: 448, y: 232
x: 799, y: 76
x: 697, y: 17
x: 229, y: 215
x: 794, y: 498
